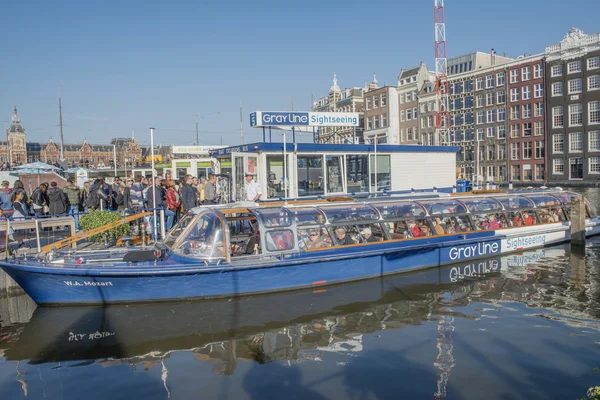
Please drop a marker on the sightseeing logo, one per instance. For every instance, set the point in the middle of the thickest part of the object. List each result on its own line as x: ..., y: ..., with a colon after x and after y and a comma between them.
x: 517, y: 243
x: 285, y: 118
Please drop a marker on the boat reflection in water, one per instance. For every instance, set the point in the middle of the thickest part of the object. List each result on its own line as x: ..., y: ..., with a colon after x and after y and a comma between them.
x: 290, y: 326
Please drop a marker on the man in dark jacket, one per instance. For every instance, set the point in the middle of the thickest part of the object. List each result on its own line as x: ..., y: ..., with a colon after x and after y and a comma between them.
x: 188, y: 194
x: 72, y: 193
x: 57, y: 199
x: 157, y: 200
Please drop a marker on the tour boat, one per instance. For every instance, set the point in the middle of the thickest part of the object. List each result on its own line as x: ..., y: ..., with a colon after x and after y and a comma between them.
x: 250, y: 248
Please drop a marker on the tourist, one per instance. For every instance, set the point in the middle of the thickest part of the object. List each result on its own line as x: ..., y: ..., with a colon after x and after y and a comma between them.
x: 5, y: 195
x: 156, y: 201
x: 85, y: 193
x: 195, y: 182
x: 19, y: 207
x: 135, y: 194
x: 188, y: 194
x: 315, y: 241
x: 173, y: 199
x: 527, y: 218
x: 39, y: 200
x: 342, y: 237
x: 439, y: 230
x: 367, y: 234
x: 252, y: 189
x: 200, y: 189
x: 73, y: 196
x: 57, y: 200
x: 413, y: 229
x: 210, y: 190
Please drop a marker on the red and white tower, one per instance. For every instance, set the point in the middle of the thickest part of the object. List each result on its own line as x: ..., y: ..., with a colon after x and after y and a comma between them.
x: 442, y: 117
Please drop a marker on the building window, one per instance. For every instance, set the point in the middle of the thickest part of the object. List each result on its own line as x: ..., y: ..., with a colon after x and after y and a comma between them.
x: 408, y: 97
x: 501, y: 132
x: 489, y: 81
x: 368, y: 103
x: 558, y: 143
x: 479, y: 101
x: 480, y: 117
x: 557, y: 117
x: 574, y: 67
x: 479, y: 83
x: 491, y: 132
x: 538, y: 90
x: 574, y: 86
x: 415, y: 112
x: 575, y: 142
x: 514, y: 76
x: 526, y: 110
x: 593, y: 63
x: 500, y: 97
x: 538, y: 128
x: 490, y: 116
x: 410, y: 133
x: 516, y: 172
x: 527, y: 151
x: 514, y: 94
x: 539, y: 172
x: 501, y: 114
x: 527, y: 129
x: 480, y: 132
x: 557, y: 89
x: 527, y: 172
x: 539, y: 149
x: 369, y: 124
x: 538, y: 110
x: 401, y: 115
x: 375, y: 102
x: 538, y: 71
x: 376, y: 119
x: 594, y: 165
x: 514, y: 151
x: 383, y: 100
x: 409, y: 114
x: 594, y: 140
x: 526, y: 73
x: 500, y: 79
x: 575, y: 114
x: 514, y: 131
x: 594, y: 112
x: 515, y: 112
x: 489, y: 99
x: 593, y: 82
x: 556, y: 70
x: 526, y: 90
x: 401, y: 98
x: 384, y: 120
x: 559, y: 166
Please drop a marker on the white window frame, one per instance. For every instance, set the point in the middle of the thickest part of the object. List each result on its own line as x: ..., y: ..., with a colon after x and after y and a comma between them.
x: 538, y: 71
x: 514, y: 75
x: 538, y: 128
x: 558, y: 162
x: 538, y: 109
x: 557, y: 89
x: 556, y: 114
x: 480, y: 118
x: 514, y: 130
x: 500, y: 78
x: 594, y: 141
x: 501, y: 115
x: 515, y: 150
x: 556, y: 70
x: 526, y: 92
x: 515, y: 113
x: 575, y: 142
x: 526, y: 73
x: 558, y: 140
x: 529, y: 146
x: 500, y: 97
x: 489, y: 99
x: 514, y: 95
x: 596, y: 85
x: 490, y: 117
x: 594, y: 161
x: 489, y: 81
x: 575, y: 86
x: 594, y: 112
x: 574, y: 67
x: 479, y: 83
x: 576, y: 117
x: 593, y: 63
x: 538, y: 90
x: 526, y: 111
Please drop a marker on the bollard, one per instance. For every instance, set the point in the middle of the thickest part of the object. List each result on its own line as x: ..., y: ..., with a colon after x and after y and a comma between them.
x: 453, y: 188
x: 487, y: 186
x: 494, y: 187
x: 510, y: 185
x: 577, y: 221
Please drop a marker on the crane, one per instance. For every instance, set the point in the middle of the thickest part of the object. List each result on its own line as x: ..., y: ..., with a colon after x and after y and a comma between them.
x: 442, y: 116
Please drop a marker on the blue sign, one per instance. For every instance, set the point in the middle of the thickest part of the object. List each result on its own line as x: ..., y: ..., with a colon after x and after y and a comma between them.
x: 253, y: 119
x: 284, y: 118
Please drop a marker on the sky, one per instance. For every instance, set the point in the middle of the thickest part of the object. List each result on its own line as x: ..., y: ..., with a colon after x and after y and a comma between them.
x: 126, y: 66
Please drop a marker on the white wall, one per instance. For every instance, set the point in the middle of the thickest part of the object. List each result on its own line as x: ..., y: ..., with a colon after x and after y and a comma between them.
x: 423, y: 170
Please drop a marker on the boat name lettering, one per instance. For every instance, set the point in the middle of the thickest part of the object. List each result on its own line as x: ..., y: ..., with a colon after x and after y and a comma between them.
x: 73, y: 337
x: 87, y: 283
x: 515, y: 243
x: 475, y: 250
x: 474, y: 270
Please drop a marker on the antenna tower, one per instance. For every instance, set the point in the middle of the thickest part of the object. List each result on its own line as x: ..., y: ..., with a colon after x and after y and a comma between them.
x: 442, y: 116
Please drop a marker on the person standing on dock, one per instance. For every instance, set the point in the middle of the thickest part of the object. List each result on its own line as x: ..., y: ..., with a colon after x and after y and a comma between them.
x: 5, y: 195
x: 57, y: 198
x: 252, y: 189
x: 157, y: 200
x: 135, y: 194
x: 188, y: 194
x: 210, y: 190
x: 73, y: 195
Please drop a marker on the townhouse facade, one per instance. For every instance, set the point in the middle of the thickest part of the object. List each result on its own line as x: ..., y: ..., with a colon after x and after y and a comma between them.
x: 410, y: 82
x: 573, y: 97
x: 381, y: 114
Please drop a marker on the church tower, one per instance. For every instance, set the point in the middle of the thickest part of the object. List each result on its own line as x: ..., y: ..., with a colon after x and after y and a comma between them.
x: 16, y: 138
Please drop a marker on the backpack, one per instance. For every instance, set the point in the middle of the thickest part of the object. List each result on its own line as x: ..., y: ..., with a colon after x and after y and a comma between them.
x: 92, y: 201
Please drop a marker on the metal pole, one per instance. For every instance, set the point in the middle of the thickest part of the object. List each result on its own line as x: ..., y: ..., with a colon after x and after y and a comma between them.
x: 270, y: 137
x: 115, y: 157
x: 62, y: 151
x: 264, y: 137
x: 37, y: 234
x: 196, y: 134
x: 241, y: 125
x: 285, y: 167
x: 293, y: 134
x: 376, y: 164
x: 162, y: 224
x: 153, y: 188
x: 477, y: 166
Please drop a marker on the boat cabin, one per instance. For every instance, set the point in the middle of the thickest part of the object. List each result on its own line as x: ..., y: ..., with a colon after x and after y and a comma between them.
x: 240, y: 231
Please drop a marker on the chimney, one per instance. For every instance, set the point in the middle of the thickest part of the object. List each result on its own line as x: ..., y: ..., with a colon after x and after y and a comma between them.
x: 493, y: 57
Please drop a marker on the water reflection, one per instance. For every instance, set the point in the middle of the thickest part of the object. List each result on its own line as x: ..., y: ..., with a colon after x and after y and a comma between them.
x: 447, y: 306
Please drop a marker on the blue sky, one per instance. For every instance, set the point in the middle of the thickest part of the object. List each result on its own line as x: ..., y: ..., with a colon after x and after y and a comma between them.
x: 129, y: 65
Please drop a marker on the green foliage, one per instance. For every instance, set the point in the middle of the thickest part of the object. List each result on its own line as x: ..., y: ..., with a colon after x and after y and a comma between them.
x: 97, y: 218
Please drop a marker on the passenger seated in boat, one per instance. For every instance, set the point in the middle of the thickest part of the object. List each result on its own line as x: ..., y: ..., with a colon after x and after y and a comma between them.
x: 439, y: 230
x: 491, y: 223
x: 425, y: 231
x: 553, y: 216
x: 342, y: 238
x: 527, y: 218
x: 517, y: 221
x: 367, y: 235
x: 315, y: 241
x: 413, y: 229
x: 325, y: 237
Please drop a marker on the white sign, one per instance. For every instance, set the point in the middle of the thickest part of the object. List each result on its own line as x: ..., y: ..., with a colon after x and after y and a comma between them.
x: 194, y: 149
x: 293, y: 118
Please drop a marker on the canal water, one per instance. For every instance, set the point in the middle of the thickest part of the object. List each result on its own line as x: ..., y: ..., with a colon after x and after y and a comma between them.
x: 524, y: 326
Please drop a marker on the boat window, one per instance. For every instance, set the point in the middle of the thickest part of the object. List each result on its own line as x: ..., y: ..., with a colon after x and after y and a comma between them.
x: 274, y: 217
x: 544, y: 201
x: 204, y: 239
x: 521, y: 218
x: 550, y: 215
x: 345, y: 235
x: 515, y: 203
x: 177, y: 230
x: 565, y: 197
x: 279, y: 240
x: 489, y: 221
x: 448, y: 225
x: 437, y: 207
x: 393, y: 211
x: 479, y: 205
x: 313, y: 238
x: 308, y: 216
x: 350, y: 213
